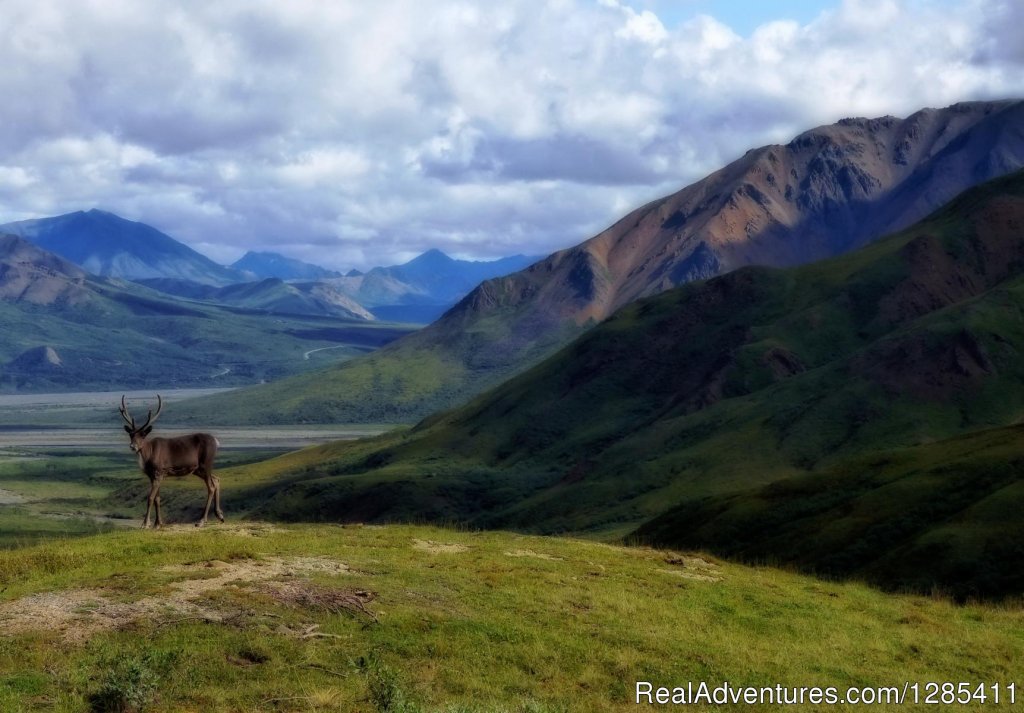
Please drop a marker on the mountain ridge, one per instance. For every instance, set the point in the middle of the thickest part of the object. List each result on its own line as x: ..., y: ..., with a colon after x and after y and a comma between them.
x: 270, y: 294
x: 849, y: 182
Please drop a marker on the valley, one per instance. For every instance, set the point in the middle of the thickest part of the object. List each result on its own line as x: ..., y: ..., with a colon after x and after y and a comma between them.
x: 67, y: 330
x: 552, y: 357
x: 569, y: 467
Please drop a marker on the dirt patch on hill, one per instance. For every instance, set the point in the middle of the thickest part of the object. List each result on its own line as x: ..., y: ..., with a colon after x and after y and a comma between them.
x: 9, y: 497
x: 437, y: 547
x: 534, y: 555
x: 692, y: 567
x: 79, y: 614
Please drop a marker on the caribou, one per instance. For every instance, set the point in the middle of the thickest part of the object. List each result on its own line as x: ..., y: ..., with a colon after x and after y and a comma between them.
x: 179, y: 456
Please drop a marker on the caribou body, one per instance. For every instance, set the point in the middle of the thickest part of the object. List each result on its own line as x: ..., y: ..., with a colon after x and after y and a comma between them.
x: 183, y: 455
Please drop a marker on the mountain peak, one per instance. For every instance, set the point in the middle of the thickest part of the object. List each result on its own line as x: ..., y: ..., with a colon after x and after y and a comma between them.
x: 431, y: 257
x: 262, y: 263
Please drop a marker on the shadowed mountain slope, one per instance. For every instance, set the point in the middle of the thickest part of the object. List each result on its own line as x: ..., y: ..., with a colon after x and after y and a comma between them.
x: 110, y: 246
x: 829, y: 190
x: 722, y: 387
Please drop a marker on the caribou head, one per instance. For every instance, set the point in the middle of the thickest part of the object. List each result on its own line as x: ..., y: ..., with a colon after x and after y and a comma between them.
x: 182, y: 455
x: 135, y: 433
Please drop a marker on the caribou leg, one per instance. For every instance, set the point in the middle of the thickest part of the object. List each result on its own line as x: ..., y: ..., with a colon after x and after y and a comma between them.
x: 216, y: 485
x: 159, y: 518
x: 210, y: 490
x: 149, y: 504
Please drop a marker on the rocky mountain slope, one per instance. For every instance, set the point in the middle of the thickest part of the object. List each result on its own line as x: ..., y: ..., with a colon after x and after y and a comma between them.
x: 828, y: 191
x: 34, y: 276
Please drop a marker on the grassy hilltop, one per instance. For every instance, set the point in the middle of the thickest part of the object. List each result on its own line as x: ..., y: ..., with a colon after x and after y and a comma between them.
x: 402, y: 618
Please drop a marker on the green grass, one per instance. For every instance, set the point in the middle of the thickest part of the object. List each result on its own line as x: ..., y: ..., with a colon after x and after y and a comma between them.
x: 938, y: 516
x: 20, y: 527
x: 485, y: 622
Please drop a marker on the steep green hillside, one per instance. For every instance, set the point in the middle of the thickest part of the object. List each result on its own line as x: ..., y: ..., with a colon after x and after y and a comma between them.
x: 717, y: 388
x: 407, y: 619
x: 943, y: 515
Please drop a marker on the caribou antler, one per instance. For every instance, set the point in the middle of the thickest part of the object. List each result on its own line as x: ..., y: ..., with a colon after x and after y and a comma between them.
x: 125, y: 415
x: 150, y: 417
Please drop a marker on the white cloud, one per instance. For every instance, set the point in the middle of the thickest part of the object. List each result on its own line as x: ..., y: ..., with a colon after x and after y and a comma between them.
x: 349, y: 133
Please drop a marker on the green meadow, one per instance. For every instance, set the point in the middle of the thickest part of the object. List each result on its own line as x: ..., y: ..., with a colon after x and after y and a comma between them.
x: 254, y: 616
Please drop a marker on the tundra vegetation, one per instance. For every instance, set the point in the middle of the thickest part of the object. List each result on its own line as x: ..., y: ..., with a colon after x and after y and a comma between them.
x: 259, y: 616
x: 252, y: 616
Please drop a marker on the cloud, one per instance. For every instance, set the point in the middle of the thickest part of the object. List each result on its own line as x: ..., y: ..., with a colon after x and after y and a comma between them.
x: 352, y: 133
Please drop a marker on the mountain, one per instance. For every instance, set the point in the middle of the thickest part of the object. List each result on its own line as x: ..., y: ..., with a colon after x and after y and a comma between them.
x: 425, y: 287
x: 828, y: 191
x: 66, y: 329
x: 271, y: 295
x: 110, y: 246
x: 837, y: 416
x: 269, y: 264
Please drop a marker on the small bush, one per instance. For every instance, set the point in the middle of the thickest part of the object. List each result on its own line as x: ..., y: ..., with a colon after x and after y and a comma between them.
x: 386, y: 691
x: 128, y: 686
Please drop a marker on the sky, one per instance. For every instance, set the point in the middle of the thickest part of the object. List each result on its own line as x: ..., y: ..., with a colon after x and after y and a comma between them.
x: 353, y: 133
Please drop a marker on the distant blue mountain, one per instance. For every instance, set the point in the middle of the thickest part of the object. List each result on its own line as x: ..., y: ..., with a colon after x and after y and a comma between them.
x: 108, y: 245
x: 270, y: 264
x: 431, y: 280
x: 448, y: 280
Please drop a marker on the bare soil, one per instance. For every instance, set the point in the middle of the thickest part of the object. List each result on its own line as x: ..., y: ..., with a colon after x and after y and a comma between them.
x: 80, y: 613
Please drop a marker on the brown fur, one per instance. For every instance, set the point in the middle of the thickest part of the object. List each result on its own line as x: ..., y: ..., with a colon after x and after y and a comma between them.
x: 180, y: 456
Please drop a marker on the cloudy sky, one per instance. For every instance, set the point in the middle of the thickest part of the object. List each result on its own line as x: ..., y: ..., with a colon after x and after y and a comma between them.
x: 355, y: 133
